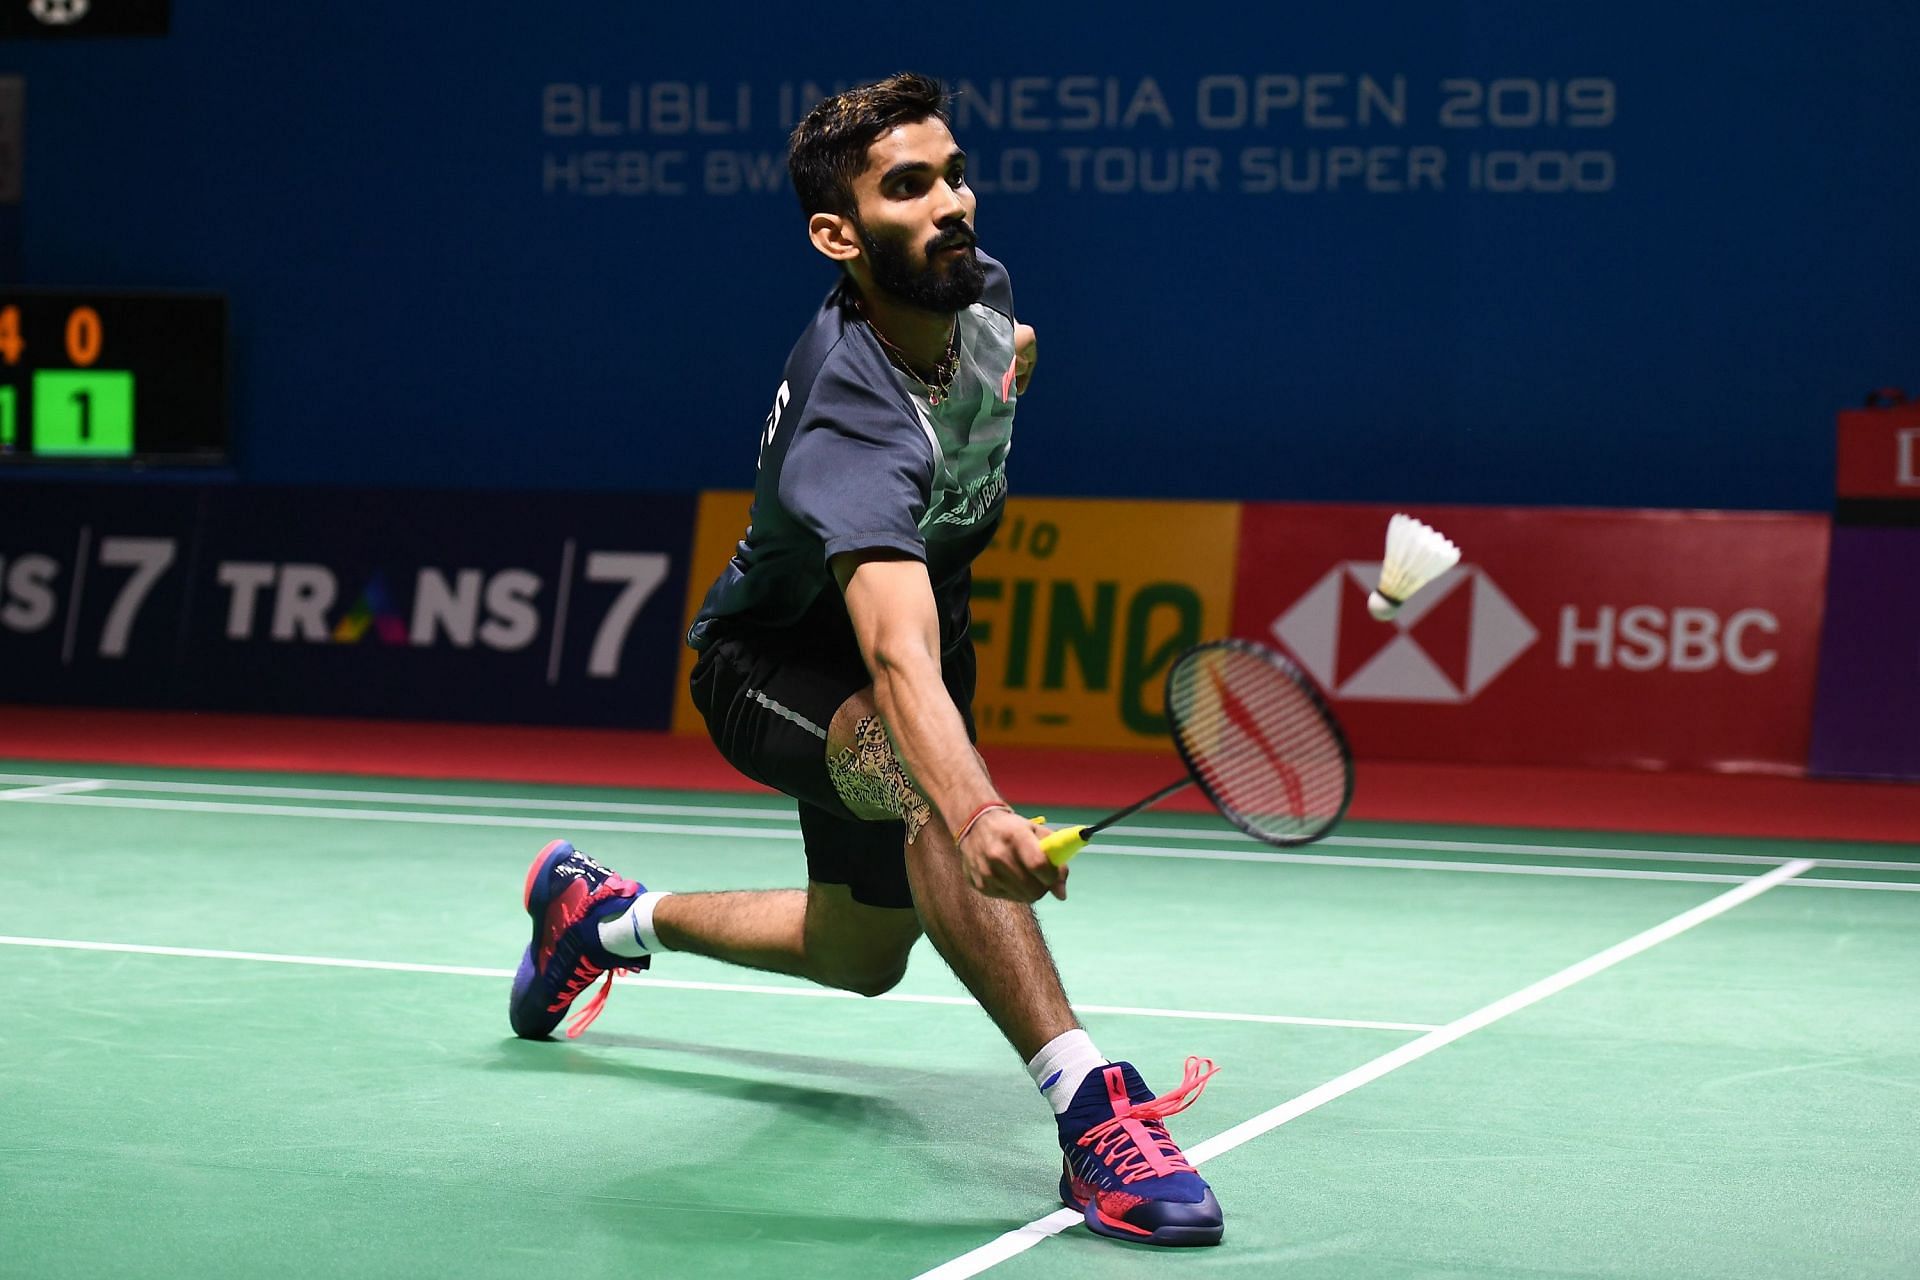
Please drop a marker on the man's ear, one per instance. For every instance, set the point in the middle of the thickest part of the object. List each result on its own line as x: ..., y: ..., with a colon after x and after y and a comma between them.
x: 834, y: 235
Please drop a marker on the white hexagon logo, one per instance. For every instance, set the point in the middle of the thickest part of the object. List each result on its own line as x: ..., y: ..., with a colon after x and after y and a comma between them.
x: 1400, y: 668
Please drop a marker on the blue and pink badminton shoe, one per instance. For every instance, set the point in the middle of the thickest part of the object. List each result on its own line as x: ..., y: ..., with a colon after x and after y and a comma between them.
x: 568, y: 894
x: 1123, y: 1172
x: 1120, y: 1168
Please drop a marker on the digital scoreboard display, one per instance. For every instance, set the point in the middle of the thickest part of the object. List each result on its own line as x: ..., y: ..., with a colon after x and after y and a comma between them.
x: 112, y: 378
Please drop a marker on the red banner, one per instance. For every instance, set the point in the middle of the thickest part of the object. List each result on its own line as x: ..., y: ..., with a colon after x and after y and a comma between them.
x: 1880, y: 451
x: 1567, y: 637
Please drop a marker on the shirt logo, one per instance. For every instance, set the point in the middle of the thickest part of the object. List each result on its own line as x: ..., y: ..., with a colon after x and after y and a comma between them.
x: 975, y: 502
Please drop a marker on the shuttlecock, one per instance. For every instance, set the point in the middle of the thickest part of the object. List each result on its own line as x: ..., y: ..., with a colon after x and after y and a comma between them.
x: 1416, y: 555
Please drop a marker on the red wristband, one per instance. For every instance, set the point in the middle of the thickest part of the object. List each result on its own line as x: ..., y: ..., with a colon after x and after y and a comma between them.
x: 979, y: 813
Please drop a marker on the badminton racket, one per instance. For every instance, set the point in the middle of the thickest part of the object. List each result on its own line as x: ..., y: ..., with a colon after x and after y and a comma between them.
x: 1259, y: 741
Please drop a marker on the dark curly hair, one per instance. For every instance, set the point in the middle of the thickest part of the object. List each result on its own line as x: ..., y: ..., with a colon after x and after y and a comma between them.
x: 828, y: 149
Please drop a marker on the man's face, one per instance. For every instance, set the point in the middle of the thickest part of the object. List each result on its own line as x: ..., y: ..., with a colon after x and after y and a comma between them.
x: 914, y: 214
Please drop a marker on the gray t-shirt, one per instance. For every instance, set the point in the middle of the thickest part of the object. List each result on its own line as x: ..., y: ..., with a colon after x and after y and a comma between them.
x: 853, y: 458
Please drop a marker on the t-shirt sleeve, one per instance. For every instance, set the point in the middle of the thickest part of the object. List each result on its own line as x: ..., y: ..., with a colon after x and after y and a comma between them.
x: 859, y: 472
x: 998, y: 290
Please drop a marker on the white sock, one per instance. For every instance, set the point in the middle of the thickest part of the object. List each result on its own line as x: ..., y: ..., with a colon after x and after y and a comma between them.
x: 631, y: 932
x: 1059, y: 1068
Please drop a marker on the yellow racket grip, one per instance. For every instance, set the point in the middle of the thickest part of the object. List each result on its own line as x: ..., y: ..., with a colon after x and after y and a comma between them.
x: 1063, y: 844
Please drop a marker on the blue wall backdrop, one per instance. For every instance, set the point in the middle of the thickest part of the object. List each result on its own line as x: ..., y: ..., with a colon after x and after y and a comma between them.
x: 1397, y: 250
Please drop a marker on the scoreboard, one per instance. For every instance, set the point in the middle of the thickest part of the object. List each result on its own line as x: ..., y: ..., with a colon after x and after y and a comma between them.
x: 128, y: 379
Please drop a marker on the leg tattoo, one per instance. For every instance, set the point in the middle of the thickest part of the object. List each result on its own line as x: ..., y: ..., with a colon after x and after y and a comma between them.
x: 869, y: 779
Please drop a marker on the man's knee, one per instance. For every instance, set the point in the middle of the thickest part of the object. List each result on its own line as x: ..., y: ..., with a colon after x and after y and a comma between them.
x: 872, y: 967
x: 872, y: 981
x: 855, y: 946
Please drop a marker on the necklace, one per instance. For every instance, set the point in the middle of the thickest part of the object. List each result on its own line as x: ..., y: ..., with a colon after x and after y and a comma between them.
x: 943, y: 372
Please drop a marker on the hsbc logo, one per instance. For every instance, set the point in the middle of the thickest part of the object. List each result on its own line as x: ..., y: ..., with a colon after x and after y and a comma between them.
x: 1450, y: 641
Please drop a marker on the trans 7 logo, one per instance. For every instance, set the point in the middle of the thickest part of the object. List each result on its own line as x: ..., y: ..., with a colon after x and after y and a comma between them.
x: 30, y: 591
x: 640, y: 573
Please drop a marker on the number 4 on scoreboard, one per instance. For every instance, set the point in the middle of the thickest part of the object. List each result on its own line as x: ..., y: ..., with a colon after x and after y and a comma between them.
x: 11, y: 343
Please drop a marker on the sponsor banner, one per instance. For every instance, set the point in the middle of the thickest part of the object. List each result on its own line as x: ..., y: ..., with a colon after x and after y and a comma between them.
x: 94, y: 591
x: 1869, y: 706
x: 528, y: 608
x: 1880, y: 451
x: 1079, y: 606
x: 1569, y: 637
x: 719, y: 526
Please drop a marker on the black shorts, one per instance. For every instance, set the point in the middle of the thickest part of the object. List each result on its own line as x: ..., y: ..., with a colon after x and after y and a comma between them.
x: 768, y: 697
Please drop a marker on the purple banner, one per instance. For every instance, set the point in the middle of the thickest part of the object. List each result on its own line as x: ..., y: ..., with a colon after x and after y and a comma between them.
x: 1866, y: 720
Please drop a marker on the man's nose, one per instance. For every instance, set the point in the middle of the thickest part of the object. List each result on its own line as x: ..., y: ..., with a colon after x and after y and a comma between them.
x: 954, y: 210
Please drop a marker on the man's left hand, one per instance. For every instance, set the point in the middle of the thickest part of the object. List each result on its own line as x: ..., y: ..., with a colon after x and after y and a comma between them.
x: 1026, y: 354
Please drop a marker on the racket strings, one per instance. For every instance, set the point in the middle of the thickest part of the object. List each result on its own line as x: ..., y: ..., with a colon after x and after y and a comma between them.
x: 1260, y: 743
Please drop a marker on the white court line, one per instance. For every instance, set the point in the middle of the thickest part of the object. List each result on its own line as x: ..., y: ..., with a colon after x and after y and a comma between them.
x: 784, y: 818
x: 1547, y: 850
x: 1493, y: 846
x: 1512, y: 868
x: 1597, y: 851
x: 1110, y: 850
x: 52, y: 789
x: 406, y: 815
x: 1021, y: 1239
x: 737, y: 988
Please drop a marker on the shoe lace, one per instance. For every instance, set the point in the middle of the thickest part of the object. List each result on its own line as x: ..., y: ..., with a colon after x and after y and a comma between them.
x: 1134, y: 1144
x: 584, y: 969
x: 583, y: 975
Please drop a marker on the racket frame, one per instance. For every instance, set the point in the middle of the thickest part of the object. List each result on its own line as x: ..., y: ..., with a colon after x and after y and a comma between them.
x: 1287, y: 668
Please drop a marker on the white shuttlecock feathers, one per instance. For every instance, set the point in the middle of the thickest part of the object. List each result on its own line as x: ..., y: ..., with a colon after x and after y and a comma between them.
x: 1416, y: 555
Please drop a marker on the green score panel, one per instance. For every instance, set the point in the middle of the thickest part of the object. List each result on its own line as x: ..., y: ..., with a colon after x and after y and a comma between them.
x: 112, y: 379
x: 81, y: 413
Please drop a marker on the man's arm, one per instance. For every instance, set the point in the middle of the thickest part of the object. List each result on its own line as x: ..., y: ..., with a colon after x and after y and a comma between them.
x: 897, y: 624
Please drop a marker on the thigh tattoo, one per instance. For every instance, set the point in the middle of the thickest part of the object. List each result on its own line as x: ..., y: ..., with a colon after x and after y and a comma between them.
x: 868, y: 778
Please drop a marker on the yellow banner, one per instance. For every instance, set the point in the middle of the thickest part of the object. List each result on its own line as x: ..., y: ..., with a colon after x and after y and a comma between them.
x: 1081, y: 604
x: 1079, y: 607
x: 717, y: 530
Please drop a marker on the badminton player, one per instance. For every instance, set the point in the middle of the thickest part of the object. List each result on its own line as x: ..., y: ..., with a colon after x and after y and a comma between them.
x: 835, y: 664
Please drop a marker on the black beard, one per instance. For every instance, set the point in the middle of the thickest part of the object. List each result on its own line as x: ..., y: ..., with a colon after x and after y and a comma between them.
x: 925, y: 287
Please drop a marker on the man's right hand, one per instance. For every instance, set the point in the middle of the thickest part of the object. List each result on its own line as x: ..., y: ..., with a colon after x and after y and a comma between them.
x: 1003, y: 859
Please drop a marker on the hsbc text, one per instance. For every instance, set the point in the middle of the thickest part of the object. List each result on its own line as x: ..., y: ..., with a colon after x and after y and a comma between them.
x: 1647, y: 638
